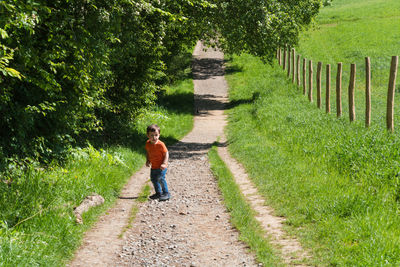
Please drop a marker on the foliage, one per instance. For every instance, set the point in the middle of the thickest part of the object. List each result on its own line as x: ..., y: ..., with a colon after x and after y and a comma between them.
x: 69, y: 69
x: 37, y: 224
x: 259, y: 27
x: 327, y: 2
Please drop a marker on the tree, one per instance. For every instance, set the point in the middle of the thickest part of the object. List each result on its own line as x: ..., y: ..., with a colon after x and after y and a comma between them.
x: 75, y: 67
x: 259, y: 27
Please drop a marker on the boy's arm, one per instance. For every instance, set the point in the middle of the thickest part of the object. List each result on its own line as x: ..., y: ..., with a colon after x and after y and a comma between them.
x: 165, y: 161
x: 147, y: 160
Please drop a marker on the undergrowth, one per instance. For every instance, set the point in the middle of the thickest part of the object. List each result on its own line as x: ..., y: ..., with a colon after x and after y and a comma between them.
x: 37, y: 224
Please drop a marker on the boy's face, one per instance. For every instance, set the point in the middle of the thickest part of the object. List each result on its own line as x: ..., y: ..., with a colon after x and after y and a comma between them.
x: 153, y: 136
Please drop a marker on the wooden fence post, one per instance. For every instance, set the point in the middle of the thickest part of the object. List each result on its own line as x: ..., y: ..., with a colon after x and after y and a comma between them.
x: 339, y: 90
x: 293, y: 66
x: 304, y: 76
x: 390, y: 97
x: 319, y: 73
x: 279, y: 56
x: 328, y: 89
x: 310, y: 80
x: 288, y: 63
x: 277, y: 53
x: 352, y: 85
x: 367, y: 92
x: 284, y: 59
x: 298, y: 71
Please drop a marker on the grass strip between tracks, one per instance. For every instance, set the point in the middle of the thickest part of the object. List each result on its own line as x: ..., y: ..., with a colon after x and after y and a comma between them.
x: 242, y: 216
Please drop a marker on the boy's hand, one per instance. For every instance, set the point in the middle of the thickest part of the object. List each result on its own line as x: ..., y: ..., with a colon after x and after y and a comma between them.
x: 163, y: 166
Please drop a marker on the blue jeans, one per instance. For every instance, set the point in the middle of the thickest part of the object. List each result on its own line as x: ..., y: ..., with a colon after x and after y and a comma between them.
x: 157, y: 177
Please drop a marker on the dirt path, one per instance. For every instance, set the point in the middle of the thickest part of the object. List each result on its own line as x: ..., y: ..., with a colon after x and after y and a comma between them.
x: 191, y: 229
x: 290, y: 249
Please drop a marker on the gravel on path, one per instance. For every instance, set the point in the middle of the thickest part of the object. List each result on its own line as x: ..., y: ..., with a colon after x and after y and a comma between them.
x: 192, y: 228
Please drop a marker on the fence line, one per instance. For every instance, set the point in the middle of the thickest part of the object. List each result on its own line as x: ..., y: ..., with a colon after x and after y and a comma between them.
x: 288, y: 62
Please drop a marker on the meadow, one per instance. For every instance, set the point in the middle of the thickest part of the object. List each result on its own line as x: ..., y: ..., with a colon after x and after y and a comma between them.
x: 37, y: 224
x: 336, y: 182
x: 347, y: 32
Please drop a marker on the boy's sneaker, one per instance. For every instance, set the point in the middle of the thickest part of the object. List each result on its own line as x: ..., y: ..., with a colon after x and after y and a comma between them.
x: 155, y: 196
x: 164, y: 197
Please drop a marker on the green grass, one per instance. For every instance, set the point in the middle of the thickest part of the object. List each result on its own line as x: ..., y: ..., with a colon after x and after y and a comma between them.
x: 37, y: 225
x: 347, y: 32
x: 337, y: 183
x: 242, y: 216
x: 143, y: 197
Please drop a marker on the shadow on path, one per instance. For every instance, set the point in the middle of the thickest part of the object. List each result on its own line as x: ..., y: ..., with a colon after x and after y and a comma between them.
x: 206, y: 68
x: 184, y: 150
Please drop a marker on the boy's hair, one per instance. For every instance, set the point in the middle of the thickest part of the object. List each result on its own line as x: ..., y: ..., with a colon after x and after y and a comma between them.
x: 153, y: 128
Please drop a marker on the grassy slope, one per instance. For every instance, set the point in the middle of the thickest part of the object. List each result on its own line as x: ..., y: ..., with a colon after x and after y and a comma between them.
x: 336, y: 182
x: 349, y: 31
x: 37, y: 225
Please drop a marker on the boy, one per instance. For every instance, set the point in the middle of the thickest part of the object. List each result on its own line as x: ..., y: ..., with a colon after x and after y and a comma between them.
x: 157, y: 156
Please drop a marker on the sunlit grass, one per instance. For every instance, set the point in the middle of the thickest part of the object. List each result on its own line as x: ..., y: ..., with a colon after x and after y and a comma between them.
x: 242, y: 216
x: 336, y: 183
x: 347, y: 32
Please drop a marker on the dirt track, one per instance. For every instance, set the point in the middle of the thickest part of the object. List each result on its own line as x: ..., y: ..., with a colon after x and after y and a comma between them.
x: 192, y: 229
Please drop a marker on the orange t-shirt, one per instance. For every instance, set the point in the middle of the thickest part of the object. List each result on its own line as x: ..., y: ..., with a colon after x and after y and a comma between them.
x: 156, y: 153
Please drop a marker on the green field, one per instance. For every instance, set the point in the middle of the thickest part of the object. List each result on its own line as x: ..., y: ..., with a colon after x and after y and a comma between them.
x: 347, y: 32
x: 337, y: 183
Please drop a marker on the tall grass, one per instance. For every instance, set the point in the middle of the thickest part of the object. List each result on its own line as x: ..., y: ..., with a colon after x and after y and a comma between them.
x: 37, y: 225
x: 337, y: 183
